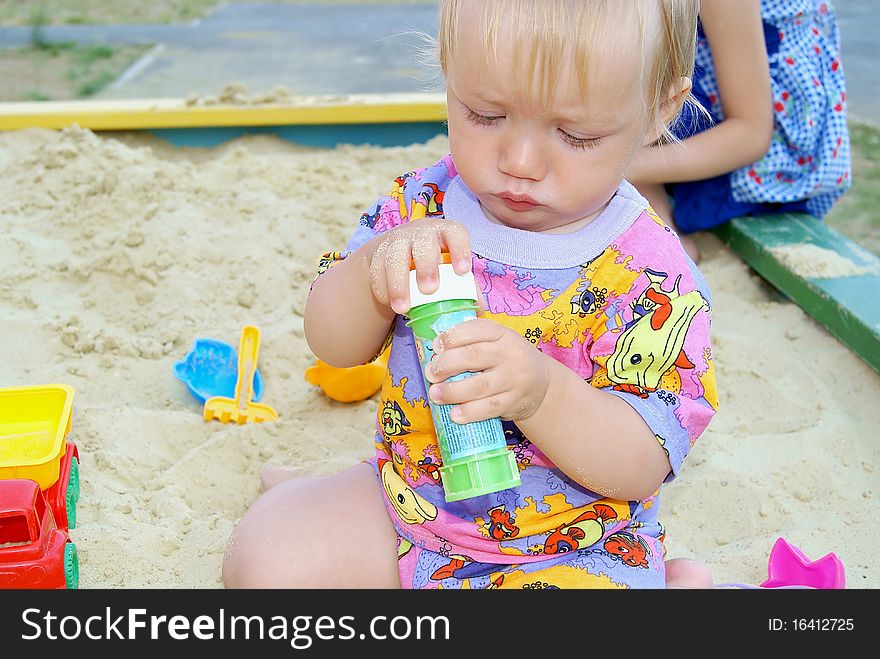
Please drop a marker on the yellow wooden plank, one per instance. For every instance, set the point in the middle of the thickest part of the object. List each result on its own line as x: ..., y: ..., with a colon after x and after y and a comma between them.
x: 177, y: 113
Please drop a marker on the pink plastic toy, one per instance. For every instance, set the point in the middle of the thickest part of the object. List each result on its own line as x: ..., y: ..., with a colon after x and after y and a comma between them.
x: 788, y: 566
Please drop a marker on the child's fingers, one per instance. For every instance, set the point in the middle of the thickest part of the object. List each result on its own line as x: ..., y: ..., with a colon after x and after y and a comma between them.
x: 485, y: 384
x: 471, y: 331
x: 478, y: 410
x: 458, y: 244
x: 397, y: 260
x: 389, y: 274
x: 426, y: 256
x: 481, y: 302
x: 473, y: 358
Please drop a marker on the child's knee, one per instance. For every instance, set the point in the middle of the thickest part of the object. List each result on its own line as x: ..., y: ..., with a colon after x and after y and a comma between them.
x: 247, y: 562
x: 240, y: 564
x: 267, y: 548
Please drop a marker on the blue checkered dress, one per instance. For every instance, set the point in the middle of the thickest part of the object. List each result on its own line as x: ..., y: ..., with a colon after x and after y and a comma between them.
x: 807, y: 167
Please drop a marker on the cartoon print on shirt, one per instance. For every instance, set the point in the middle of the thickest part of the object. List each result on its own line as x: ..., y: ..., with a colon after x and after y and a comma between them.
x: 409, y: 506
x: 397, y: 192
x: 584, y: 530
x: 394, y: 421
x: 430, y: 466
x: 328, y: 259
x: 653, y: 344
x: 501, y: 525
x: 589, y: 301
x: 403, y: 547
x: 369, y: 219
x: 630, y: 549
x: 462, y: 567
x: 431, y: 197
x: 653, y: 297
x: 590, y: 298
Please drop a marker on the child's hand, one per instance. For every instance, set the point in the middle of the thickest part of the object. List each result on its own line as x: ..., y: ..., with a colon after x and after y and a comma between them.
x: 420, y: 241
x: 512, y: 380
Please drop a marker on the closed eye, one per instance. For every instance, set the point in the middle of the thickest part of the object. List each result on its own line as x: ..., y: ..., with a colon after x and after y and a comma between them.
x: 580, y: 142
x: 482, y: 119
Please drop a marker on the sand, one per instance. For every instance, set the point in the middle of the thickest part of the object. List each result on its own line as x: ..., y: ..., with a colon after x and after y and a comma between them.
x: 118, y: 253
x: 236, y: 93
x: 816, y: 262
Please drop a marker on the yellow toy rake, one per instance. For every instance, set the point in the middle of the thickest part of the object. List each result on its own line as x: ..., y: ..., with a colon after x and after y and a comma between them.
x: 241, y: 409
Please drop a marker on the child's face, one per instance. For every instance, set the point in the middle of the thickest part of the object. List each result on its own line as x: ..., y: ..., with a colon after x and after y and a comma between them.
x: 544, y: 166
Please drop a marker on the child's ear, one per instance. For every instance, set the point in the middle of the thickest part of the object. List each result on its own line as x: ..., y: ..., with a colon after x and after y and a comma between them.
x: 674, y: 102
x: 670, y: 107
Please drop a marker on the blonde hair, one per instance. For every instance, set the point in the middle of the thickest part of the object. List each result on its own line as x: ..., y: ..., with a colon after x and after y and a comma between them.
x: 549, y: 31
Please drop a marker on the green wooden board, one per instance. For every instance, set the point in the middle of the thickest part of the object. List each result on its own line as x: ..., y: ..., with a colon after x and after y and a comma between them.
x: 847, y: 306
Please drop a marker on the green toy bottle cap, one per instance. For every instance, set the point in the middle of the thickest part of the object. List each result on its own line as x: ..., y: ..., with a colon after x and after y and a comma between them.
x: 480, y: 474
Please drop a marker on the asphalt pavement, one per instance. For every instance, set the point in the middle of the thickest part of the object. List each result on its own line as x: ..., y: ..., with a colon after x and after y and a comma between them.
x: 310, y: 49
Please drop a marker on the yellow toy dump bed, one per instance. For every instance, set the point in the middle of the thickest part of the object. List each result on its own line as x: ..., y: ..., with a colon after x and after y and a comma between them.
x: 34, y: 422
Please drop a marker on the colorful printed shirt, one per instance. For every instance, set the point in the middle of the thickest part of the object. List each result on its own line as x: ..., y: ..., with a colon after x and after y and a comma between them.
x: 809, y: 157
x: 619, y: 303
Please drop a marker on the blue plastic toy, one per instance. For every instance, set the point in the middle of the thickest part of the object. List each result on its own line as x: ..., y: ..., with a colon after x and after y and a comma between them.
x: 210, y: 369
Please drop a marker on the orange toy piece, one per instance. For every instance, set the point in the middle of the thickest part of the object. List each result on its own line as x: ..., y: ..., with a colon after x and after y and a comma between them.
x: 240, y: 409
x: 349, y: 385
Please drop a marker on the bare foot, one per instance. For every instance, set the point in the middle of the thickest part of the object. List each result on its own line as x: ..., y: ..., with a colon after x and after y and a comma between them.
x: 685, y: 573
x: 272, y: 474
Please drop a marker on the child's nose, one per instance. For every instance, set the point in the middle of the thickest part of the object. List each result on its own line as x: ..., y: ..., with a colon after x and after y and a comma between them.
x: 520, y: 157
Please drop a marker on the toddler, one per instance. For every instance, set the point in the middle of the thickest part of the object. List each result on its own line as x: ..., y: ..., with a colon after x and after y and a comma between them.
x: 593, y: 344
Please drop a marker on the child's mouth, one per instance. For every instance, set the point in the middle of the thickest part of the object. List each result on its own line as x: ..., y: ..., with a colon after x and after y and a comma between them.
x: 518, y: 202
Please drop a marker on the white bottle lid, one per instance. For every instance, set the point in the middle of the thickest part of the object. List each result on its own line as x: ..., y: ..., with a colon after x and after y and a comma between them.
x: 453, y: 286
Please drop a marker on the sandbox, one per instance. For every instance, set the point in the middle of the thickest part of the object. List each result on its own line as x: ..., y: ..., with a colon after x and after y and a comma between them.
x: 119, y: 249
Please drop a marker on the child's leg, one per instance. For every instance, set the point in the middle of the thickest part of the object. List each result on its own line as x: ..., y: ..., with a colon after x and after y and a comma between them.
x: 680, y: 572
x: 272, y: 474
x: 685, y: 573
x: 656, y: 195
x: 326, y: 532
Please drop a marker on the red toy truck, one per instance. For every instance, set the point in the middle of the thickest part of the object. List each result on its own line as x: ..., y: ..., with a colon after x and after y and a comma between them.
x: 34, y: 552
x: 34, y: 423
x: 63, y: 494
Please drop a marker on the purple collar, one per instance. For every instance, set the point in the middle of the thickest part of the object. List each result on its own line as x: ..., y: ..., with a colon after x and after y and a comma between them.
x: 547, y: 251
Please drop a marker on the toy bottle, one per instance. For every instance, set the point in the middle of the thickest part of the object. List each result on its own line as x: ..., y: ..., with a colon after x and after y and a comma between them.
x: 475, y: 456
